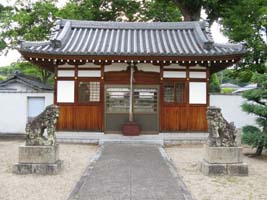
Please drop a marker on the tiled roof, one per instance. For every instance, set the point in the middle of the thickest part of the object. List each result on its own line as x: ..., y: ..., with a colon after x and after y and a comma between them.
x: 72, y: 37
x: 30, y: 81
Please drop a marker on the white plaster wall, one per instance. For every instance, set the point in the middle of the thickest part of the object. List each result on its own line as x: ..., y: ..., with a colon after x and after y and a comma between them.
x: 231, y: 109
x: 13, y: 110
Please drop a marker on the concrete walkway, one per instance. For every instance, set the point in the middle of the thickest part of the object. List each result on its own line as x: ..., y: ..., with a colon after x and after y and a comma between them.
x: 130, y: 172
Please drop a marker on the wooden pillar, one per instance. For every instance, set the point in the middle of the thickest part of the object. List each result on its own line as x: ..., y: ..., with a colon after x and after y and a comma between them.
x: 131, y: 93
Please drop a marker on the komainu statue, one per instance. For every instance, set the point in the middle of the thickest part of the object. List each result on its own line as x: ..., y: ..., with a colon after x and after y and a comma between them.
x: 35, y: 129
x: 221, y: 133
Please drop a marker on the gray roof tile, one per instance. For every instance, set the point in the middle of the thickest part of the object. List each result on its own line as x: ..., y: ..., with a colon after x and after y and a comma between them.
x: 74, y: 37
x: 28, y: 80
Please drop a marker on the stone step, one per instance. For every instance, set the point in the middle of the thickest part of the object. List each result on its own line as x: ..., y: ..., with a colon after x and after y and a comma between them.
x: 161, y: 138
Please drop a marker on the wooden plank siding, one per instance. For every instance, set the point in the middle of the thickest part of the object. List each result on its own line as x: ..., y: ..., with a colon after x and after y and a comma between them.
x: 80, y: 118
x: 183, y: 118
x: 197, y: 120
x: 174, y: 118
x: 66, y: 118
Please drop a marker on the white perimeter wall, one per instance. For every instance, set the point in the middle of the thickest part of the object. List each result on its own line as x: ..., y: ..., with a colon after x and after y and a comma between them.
x: 231, y: 109
x: 13, y: 110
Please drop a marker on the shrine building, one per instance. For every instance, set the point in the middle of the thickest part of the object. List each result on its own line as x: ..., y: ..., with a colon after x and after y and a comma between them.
x: 153, y: 73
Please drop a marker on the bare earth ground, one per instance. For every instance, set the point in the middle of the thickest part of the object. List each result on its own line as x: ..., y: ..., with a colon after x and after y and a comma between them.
x: 36, y: 187
x: 254, y: 187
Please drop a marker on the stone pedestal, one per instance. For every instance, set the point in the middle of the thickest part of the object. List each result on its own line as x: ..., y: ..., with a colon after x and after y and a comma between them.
x: 224, y: 161
x: 38, y: 160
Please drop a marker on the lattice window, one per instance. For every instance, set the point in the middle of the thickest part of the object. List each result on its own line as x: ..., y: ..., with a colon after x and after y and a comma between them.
x: 174, y: 92
x: 117, y: 100
x: 145, y: 100
x: 180, y: 92
x: 169, y: 92
x: 89, y: 92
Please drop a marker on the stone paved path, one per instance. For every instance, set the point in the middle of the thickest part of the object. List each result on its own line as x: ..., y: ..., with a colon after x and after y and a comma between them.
x: 130, y: 172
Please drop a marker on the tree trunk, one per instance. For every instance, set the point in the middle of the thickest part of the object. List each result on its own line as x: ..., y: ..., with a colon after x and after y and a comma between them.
x: 259, y: 150
x: 189, y: 12
x: 45, y: 75
x: 190, y: 16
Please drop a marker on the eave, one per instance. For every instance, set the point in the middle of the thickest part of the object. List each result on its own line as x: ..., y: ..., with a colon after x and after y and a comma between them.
x: 50, y: 61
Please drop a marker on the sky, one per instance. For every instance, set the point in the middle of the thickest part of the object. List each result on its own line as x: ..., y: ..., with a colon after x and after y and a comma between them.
x: 14, y: 55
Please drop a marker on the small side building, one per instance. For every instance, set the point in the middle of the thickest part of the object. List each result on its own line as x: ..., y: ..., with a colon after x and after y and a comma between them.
x: 22, y: 97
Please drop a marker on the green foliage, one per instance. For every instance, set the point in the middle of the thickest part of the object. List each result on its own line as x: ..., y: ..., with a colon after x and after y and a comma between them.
x: 4, y: 12
x: 27, y: 22
x: 27, y: 68
x: 214, y: 85
x: 117, y: 10
x: 243, y: 22
x: 257, y: 104
x: 161, y: 10
x: 252, y: 136
x: 2, y: 78
x: 227, y: 90
x: 214, y: 8
x: 240, y: 77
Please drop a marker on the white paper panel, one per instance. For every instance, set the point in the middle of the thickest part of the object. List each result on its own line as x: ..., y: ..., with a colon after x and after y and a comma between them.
x: 66, y: 66
x: 148, y: 68
x: 65, y: 91
x: 65, y: 73
x: 174, y: 74
x: 89, y: 73
x: 116, y: 67
x: 197, y: 74
x: 197, y: 93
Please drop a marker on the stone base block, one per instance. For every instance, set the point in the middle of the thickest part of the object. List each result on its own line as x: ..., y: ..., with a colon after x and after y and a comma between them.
x: 43, y: 169
x: 237, y: 169
x: 38, y: 154
x: 222, y: 155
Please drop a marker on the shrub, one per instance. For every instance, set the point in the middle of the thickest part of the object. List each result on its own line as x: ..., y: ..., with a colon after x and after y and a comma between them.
x: 256, y: 104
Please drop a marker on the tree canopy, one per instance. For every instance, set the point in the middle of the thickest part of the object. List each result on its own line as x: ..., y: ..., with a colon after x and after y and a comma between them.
x: 191, y: 9
x: 245, y: 22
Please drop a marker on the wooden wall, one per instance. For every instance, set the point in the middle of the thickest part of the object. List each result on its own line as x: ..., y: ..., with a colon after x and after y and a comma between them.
x: 75, y: 116
x: 179, y: 117
x: 172, y: 118
x: 183, y: 118
x: 79, y: 118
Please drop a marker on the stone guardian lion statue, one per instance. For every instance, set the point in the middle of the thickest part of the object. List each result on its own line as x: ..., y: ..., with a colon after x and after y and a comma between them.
x: 35, y: 129
x: 221, y: 132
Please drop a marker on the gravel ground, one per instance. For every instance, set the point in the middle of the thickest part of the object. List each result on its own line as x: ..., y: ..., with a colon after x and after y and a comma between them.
x: 253, y: 187
x: 37, y: 187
